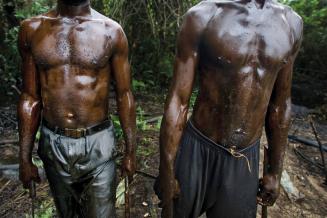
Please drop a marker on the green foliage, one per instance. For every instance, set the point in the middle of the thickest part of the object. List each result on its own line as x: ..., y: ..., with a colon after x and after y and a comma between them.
x: 312, y: 57
x: 10, y: 61
x: 145, y: 150
x: 46, y: 210
x: 37, y: 162
x: 141, y: 124
x: 158, y: 125
x: 193, y: 98
x: 138, y: 85
x: 33, y: 9
x: 118, y: 130
x: 151, y: 27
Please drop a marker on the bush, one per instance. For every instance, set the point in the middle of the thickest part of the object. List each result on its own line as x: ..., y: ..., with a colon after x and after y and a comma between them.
x: 312, y: 57
x: 10, y: 61
x: 151, y: 27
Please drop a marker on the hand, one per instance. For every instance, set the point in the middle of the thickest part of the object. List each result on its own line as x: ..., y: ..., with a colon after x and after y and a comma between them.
x: 28, y: 172
x: 268, y: 192
x: 167, y: 188
x: 129, y: 165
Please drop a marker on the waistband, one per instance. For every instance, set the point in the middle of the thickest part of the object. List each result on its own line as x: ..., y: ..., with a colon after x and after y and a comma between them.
x: 79, y: 132
x: 200, y: 136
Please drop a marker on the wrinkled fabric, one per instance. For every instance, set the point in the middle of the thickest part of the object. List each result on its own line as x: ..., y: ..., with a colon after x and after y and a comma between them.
x: 81, y: 173
x: 213, y: 181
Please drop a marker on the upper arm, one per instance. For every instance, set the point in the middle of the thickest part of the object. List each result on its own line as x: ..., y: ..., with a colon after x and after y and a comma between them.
x: 281, y: 95
x: 30, y: 75
x: 187, y: 56
x: 120, y: 64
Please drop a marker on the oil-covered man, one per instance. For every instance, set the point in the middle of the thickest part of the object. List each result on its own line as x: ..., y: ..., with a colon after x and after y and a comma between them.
x: 243, y: 53
x: 70, y: 56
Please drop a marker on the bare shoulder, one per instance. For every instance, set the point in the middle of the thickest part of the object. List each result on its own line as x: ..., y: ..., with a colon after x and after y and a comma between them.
x: 112, y: 27
x: 202, y: 12
x: 110, y: 23
x: 114, y: 31
x: 293, y: 19
x: 30, y: 25
x: 26, y: 31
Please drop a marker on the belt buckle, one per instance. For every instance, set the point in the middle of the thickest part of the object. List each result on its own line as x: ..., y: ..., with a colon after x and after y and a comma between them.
x: 75, y: 133
x: 80, y: 132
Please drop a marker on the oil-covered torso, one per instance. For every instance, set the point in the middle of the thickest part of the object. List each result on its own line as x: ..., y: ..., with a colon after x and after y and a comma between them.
x: 242, y: 50
x: 73, y: 59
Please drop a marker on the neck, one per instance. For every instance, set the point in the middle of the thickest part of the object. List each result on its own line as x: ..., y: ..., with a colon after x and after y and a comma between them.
x: 261, y: 3
x: 67, y: 8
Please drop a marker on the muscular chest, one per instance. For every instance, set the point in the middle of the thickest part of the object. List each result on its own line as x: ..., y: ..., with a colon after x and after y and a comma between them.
x: 82, y: 43
x: 240, y: 39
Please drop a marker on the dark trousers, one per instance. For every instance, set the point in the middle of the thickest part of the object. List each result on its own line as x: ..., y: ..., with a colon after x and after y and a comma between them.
x: 213, y: 181
x: 81, y: 173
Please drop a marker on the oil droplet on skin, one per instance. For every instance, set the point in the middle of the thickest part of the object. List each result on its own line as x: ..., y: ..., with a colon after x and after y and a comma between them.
x: 224, y: 60
x: 240, y: 131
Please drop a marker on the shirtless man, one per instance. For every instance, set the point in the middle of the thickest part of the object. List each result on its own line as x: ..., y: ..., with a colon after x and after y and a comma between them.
x: 243, y: 52
x: 70, y: 55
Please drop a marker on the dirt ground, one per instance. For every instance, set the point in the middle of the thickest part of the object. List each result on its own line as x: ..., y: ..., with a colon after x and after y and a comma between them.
x: 306, y: 177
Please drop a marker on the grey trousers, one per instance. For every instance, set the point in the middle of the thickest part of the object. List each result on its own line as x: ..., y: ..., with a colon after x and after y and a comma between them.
x: 81, y: 173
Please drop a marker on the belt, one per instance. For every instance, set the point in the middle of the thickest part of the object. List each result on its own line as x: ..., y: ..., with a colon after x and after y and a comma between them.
x: 79, y: 132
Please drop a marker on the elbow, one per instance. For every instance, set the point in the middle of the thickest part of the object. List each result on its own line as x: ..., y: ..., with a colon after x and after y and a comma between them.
x: 279, y: 116
x: 126, y: 99
x: 176, y: 112
x: 28, y: 105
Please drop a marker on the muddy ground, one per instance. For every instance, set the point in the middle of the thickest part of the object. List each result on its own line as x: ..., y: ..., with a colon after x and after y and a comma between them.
x: 306, y: 176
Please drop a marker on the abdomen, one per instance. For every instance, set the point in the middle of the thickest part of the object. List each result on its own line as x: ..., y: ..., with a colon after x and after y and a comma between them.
x: 75, y: 97
x: 231, y: 106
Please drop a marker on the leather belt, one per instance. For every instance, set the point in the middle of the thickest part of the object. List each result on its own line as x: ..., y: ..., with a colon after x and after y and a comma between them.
x: 79, y: 132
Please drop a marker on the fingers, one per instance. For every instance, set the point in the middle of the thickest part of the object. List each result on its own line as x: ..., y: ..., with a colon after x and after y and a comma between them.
x: 26, y: 184
x: 36, y: 178
x: 35, y: 175
x: 167, y: 211
x: 177, y: 189
x: 29, y: 174
x: 265, y: 198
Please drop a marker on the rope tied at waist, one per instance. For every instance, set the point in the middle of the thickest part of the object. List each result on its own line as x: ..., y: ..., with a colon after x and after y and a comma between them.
x: 237, y: 154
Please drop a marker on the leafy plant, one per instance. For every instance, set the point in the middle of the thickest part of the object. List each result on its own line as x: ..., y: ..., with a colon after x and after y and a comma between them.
x: 312, y: 56
x: 141, y: 124
x: 117, y: 126
x: 10, y: 61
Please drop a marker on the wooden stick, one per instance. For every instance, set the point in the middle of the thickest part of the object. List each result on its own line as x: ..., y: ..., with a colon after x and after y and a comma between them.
x: 16, y: 89
x: 320, y: 147
x: 127, y: 205
x: 8, y: 141
x: 4, y: 186
x: 306, y: 142
x: 264, y: 212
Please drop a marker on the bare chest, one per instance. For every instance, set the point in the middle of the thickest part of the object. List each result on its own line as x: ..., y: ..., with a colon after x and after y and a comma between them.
x: 58, y: 42
x: 239, y: 40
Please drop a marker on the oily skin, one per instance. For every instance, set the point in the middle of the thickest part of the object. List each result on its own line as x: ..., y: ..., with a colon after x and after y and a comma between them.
x: 69, y: 57
x: 243, y: 54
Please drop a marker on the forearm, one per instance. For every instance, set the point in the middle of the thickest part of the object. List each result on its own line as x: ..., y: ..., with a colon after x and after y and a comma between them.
x: 277, y: 126
x: 127, y: 116
x: 171, y: 132
x: 29, y: 111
